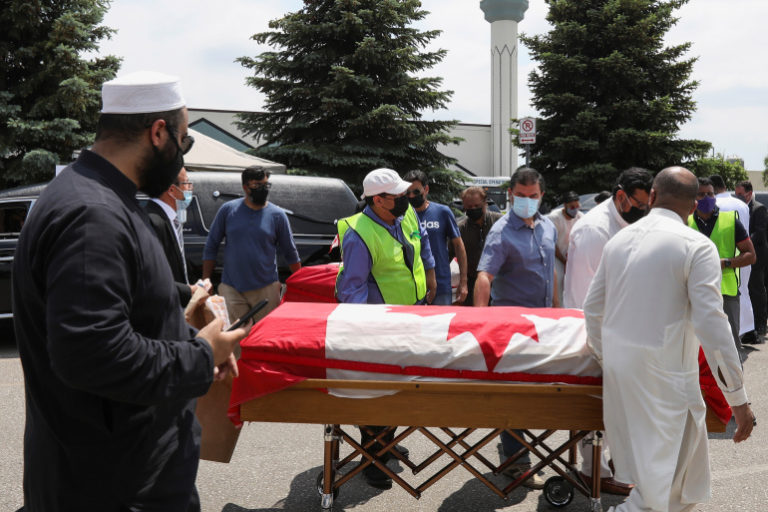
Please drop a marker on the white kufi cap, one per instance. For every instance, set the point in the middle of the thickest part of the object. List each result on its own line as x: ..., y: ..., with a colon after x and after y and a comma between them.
x: 143, y: 92
x: 383, y: 181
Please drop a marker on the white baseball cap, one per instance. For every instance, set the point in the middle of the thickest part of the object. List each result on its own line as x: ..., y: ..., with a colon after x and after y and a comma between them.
x: 142, y: 92
x: 383, y: 181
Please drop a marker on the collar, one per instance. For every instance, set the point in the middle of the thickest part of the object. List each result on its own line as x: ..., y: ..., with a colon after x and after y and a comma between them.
x: 518, y: 223
x: 370, y: 213
x: 170, y: 212
x: 614, y: 212
x: 664, y: 212
x: 713, y: 218
x: 96, y: 166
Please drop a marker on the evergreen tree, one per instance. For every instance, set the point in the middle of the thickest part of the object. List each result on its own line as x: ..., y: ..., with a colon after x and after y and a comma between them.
x: 731, y: 172
x: 611, y: 95
x: 49, y: 94
x: 342, y: 92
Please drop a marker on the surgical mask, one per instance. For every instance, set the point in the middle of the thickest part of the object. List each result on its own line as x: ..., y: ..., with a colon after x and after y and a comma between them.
x: 525, y: 207
x: 474, y: 213
x: 184, y: 203
x: 572, y: 212
x: 706, y: 204
x: 259, y: 195
x: 401, y: 206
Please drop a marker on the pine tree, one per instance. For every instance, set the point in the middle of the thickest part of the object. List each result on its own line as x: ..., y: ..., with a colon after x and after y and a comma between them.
x: 49, y: 94
x: 344, y: 95
x: 610, y: 93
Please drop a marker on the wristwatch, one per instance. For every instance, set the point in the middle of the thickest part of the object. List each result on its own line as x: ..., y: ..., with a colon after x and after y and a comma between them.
x: 727, y: 263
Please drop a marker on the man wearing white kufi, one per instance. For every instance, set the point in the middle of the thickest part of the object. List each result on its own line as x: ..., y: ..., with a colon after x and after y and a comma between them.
x: 111, y: 368
x: 655, y: 296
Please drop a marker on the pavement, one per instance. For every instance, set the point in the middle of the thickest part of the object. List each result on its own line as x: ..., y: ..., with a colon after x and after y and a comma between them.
x: 275, y: 465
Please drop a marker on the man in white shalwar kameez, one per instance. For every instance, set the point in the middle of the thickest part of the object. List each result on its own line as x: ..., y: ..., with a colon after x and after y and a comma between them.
x: 656, y: 294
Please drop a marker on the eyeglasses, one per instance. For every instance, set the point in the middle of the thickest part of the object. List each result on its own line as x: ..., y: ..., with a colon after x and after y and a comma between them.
x: 185, y: 185
x: 637, y: 203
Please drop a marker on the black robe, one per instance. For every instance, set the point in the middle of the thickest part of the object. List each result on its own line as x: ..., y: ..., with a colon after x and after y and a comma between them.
x: 111, y: 368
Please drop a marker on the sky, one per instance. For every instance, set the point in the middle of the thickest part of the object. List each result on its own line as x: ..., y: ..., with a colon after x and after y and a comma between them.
x: 199, y: 40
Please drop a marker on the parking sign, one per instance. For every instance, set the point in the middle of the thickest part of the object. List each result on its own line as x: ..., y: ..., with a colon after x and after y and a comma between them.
x: 528, y: 130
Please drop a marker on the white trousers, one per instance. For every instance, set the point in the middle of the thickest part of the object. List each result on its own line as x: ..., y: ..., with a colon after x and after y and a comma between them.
x: 686, y: 474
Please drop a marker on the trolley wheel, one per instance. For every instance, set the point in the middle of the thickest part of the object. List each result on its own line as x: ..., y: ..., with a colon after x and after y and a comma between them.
x: 320, y: 486
x: 558, y: 491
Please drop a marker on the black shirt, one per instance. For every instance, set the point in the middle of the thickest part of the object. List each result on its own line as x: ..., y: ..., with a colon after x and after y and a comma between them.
x: 111, y: 368
x: 707, y: 225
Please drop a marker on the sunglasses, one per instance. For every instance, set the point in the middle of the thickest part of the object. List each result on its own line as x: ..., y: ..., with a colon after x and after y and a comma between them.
x: 187, y: 141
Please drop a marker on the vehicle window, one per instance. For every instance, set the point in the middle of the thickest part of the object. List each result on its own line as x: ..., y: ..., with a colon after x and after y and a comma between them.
x: 12, y: 217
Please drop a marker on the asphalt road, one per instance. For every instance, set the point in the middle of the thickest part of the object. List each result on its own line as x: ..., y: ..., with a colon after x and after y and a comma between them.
x: 275, y: 465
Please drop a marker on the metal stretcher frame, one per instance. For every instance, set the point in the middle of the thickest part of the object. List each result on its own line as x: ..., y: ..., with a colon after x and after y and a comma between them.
x: 445, y: 406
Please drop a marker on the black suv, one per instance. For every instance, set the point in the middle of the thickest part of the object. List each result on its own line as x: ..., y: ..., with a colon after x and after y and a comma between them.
x: 313, y: 205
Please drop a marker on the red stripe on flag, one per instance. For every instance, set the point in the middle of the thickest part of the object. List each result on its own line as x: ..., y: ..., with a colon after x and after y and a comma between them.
x: 305, y: 366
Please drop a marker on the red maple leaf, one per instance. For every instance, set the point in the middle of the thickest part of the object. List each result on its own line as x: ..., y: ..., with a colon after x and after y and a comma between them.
x: 493, y: 327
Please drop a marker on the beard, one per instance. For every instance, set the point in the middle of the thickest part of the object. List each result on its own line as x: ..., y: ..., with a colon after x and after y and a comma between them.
x: 160, y: 169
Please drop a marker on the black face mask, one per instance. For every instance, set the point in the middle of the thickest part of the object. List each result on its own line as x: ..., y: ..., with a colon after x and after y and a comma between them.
x: 474, y: 213
x: 633, y: 215
x: 259, y: 195
x: 401, y: 206
x: 162, y: 171
x: 417, y: 201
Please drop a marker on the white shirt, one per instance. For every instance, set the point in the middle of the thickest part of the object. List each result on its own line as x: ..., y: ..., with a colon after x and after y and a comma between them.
x: 564, y: 226
x: 654, y: 298
x: 588, y: 237
x: 727, y: 203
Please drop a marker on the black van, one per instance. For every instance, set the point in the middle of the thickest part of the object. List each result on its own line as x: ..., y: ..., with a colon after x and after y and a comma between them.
x: 313, y: 205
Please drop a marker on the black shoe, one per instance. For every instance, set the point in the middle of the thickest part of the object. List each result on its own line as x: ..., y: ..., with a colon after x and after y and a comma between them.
x: 748, y: 338
x: 375, y: 477
x: 402, y: 450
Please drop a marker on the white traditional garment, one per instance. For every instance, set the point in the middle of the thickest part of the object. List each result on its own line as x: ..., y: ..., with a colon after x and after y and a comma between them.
x: 656, y: 294
x: 585, y: 248
x: 564, y: 225
x: 727, y: 203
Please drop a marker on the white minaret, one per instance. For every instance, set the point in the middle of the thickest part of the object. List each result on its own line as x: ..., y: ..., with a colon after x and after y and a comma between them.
x: 503, y: 15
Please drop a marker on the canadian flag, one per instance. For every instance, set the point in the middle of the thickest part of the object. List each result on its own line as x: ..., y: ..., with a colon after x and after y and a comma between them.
x: 363, y: 341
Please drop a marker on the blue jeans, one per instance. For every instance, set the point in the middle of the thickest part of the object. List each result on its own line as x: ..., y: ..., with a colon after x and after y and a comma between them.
x: 510, y: 446
x: 443, y: 299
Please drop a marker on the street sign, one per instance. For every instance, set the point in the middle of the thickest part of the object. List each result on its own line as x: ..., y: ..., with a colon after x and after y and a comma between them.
x: 528, y: 130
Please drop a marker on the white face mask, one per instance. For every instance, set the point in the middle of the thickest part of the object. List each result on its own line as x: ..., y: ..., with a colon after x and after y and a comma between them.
x: 182, y: 204
x: 525, y: 207
x: 573, y: 212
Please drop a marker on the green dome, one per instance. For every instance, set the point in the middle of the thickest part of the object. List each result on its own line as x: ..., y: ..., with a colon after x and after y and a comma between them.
x: 496, y: 10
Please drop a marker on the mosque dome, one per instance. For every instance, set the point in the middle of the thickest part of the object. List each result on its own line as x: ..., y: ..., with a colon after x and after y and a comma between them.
x: 497, y: 10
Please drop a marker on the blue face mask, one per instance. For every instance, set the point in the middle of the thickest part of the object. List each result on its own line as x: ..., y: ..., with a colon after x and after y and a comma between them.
x: 182, y: 205
x: 706, y: 204
x: 525, y: 207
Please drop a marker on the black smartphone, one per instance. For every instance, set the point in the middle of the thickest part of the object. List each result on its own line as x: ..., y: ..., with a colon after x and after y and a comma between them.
x: 243, y: 319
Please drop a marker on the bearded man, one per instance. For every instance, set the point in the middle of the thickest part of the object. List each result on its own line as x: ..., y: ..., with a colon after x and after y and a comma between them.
x: 111, y: 368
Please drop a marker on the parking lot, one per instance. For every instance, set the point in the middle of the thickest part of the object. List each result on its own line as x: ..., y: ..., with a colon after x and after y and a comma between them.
x: 275, y: 465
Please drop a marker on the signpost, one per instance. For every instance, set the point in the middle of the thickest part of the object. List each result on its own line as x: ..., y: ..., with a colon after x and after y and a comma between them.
x: 528, y: 136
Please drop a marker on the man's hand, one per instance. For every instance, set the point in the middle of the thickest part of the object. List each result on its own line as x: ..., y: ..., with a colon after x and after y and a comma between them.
x: 222, y: 342
x: 222, y: 371
x: 745, y: 422
x: 461, y: 292
x: 431, y: 285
